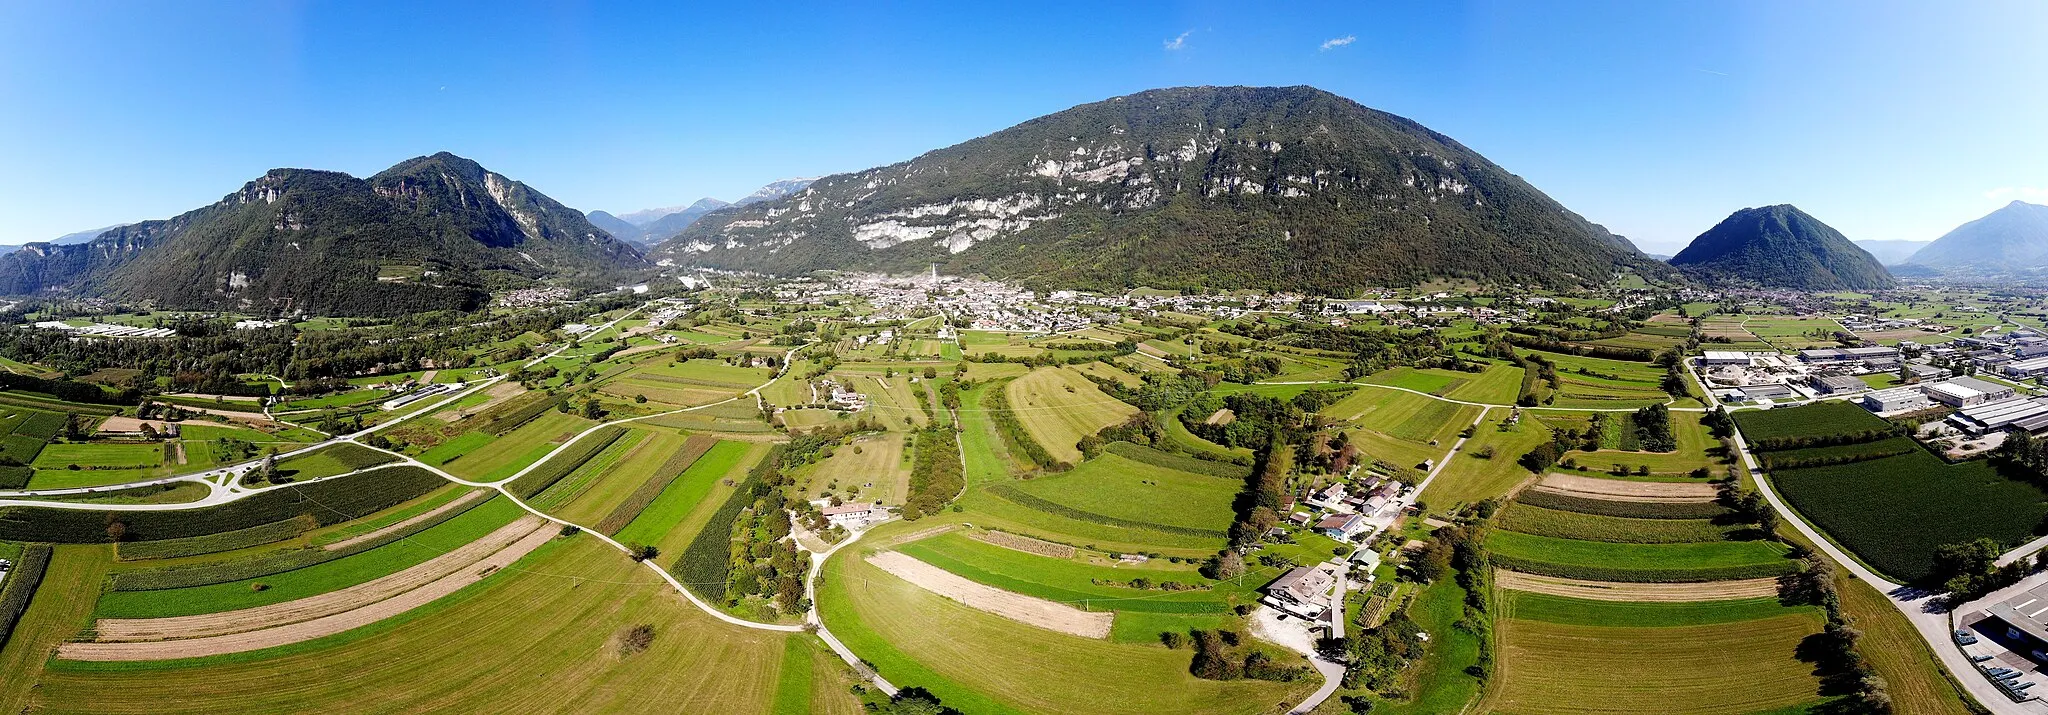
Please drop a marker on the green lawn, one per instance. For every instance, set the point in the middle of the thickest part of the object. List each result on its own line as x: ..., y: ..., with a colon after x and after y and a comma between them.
x: 1114, y: 486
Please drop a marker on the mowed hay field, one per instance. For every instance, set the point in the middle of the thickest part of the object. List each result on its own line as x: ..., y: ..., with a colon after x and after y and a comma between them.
x: 1115, y: 503
x: 1059, y: 407
x: 541, y: 639
x: 982, y: 663
x: 881, y: 460
x: 1739, y: 667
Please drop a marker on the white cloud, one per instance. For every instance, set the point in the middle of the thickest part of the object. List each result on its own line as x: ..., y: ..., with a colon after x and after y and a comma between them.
x: 1179, y: 42
x: 2031, y: 194
x: 1337, y: 42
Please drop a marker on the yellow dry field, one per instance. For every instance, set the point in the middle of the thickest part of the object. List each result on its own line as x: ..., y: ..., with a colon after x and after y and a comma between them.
x: 1059, y: 407
x: 879, y: 471
x: 1724, y: 668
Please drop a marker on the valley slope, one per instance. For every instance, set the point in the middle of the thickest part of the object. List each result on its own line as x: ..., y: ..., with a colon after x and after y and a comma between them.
x: 1221, y: 187
x: 434, y: 232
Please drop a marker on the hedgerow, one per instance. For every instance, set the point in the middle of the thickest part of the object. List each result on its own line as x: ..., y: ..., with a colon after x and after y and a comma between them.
x: 327, y: 501
x: 996, y: 402
x: 1837, y: 454
x: 1625, y: 509
x: 705, y: 562
x: 658, y: 482
x: 516, y: 414
x: 935, y: 474
x: 216, y: 543
x: 21, y: 586
x: 1642, y: 575
x: 275, y: 563
x: 564, y: 462
x: 1012, y: 493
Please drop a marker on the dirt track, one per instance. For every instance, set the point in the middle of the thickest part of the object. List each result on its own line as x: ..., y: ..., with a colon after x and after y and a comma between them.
x: 333, y: 602
x: 1625, y: 490
x: 1648, y: 592
x: 1017, y: 607
x: 455, y: 503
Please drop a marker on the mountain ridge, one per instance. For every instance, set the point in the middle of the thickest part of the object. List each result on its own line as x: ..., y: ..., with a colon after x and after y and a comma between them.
x: 431, y: 232
x: 1222, y: 187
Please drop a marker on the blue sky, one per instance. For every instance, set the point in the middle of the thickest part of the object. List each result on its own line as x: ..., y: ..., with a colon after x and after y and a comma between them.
x: 1888, y: 120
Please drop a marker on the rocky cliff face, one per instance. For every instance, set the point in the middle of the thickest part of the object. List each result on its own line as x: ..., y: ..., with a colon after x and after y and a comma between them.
x: 1224, y: 187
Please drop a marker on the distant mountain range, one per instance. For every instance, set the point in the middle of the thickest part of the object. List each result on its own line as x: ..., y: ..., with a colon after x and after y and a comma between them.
x: 1781, y: 247
x: 2009, y: 240
x: 1217, y: 187
x: 434, y: 232
x: 650, y: 226
x: 1891, y: 253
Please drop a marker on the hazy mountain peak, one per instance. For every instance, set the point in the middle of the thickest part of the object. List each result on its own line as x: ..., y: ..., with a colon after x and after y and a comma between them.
x: 2015, y: 237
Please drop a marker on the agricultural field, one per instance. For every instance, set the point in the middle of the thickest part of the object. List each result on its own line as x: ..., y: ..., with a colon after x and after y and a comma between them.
x: 1744, y: 666
x: 452, y: 654
x: 641, y: 453
x: 1697, y: 448
x: 312, y: 580
x: 983, y: 663
x: 1401, y: 428
x: 330, y: 461
x: 1058, y: 407
x: 875, y: 468
x: 1093, y: 582
x: 1858, y: 505
x: 1472, y: 476
x: 1592, y: 382
x: 1818, y: 420
x: 684, y: 497
x: 487, y: 459
x: 1632, y: 562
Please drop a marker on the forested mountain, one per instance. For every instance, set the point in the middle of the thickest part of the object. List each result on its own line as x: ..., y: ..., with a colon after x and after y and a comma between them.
x: 432, y: 232
x: 1221, y: 187
x: 1891, y: 253
x: 1781, y: 247
x: 2012, y: 238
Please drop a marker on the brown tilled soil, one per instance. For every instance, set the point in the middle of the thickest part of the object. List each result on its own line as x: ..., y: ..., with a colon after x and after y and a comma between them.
x: 453, y: 504
x: 1625, y: 490
x: 1652, y: 592
x: 332, y: 602
x: 118, y: 423
x: 316, y: 628
x: 1017, y: 607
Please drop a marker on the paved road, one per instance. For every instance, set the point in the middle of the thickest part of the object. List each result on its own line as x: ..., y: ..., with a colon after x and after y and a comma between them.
x: 825, y: 634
